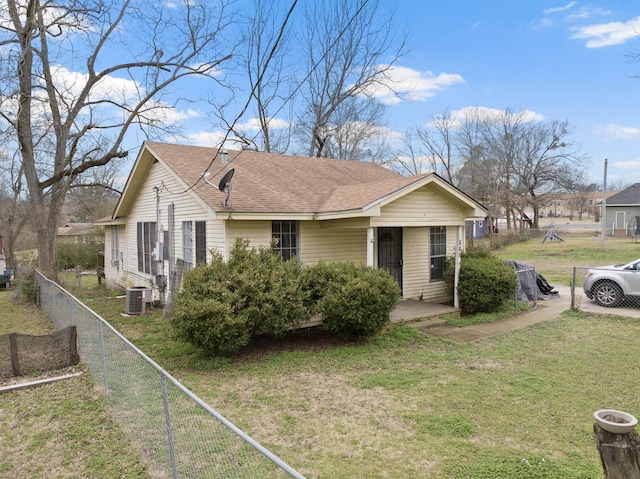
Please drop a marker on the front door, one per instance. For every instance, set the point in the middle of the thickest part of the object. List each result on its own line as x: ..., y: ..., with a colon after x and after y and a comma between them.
x: 390, y: 252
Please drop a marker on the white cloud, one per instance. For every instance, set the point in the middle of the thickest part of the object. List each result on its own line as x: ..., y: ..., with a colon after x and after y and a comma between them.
x: 484, y: 113
x: 628, y: 165
x: 607, y: 34
x: 568, y: 6
x: 618, y: 132
x: 70, y: 84
x: 587, y: 12
x: 212, y: 139
x: 253, y: 124
x: 411, y: 85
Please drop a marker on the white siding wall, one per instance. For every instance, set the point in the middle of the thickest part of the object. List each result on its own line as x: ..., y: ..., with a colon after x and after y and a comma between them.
x: 186, y: 208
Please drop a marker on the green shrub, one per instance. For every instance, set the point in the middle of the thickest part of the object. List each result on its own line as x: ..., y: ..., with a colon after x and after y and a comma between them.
x: 485, y: 283
x: 27, y: 286
x: 357, y: 299
x: 74, y: 255
x: 223, y: 305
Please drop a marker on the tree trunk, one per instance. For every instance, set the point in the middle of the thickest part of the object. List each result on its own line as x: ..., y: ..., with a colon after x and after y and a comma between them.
x: 619, y: 453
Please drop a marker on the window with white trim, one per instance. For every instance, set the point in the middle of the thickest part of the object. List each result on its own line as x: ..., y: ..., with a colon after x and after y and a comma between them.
x: 437, y: 252
x: 284, y: 235
x: 201, y: 242
x: 115, y: 247
x: 187, y: 245
x: 146, y: 242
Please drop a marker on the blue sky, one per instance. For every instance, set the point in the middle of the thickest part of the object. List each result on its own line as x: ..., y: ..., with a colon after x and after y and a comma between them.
x: 566, y: 60
x: 560, y: 60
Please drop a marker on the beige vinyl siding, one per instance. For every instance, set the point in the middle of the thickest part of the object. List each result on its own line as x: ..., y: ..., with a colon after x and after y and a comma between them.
x: 186, y: 208
x: 115, y: 277
x: 415, y: 270
x: 318, y: 241
x: 419, y: 208
x: 416, y: 266
x: 257, y: 232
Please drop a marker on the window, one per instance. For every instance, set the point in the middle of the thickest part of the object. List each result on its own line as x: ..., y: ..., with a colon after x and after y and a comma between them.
x: 285, y: 238
x: 201, y: 242
x: 187, y: 245
x: 437, y: 252
x: 146, y: 243
x: 115, y: 248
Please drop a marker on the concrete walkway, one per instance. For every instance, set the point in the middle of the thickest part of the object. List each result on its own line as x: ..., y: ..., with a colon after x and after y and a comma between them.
x: 547, y: 310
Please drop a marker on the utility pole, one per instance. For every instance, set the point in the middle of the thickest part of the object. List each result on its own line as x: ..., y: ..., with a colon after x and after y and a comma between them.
x: 604, y: 207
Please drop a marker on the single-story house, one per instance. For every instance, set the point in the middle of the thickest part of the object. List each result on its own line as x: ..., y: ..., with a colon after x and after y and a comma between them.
x: 622, y: 212
x: 79, y: 233
x: 182, y: 202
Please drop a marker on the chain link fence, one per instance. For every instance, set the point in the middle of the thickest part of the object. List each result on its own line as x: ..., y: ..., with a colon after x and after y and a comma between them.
x: 609, y: 289
x: 178, y: 434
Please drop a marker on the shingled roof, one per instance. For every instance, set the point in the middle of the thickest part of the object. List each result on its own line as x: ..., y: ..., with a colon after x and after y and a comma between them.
x: 628, y: 196
x: 268, y: 183
x: 273, y: 183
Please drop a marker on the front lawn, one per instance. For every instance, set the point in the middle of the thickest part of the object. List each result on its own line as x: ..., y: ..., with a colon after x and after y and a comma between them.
x: 410, y: 405
x: 58, y: 430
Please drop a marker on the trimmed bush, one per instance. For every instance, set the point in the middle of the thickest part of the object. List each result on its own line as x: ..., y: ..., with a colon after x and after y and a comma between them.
x: 354, y: 300
x: 485, y: 283
x: 78, y: 255
x: 223, y: 305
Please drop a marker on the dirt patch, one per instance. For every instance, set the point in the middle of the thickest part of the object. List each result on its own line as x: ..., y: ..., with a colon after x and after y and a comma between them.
x: 307, y: 339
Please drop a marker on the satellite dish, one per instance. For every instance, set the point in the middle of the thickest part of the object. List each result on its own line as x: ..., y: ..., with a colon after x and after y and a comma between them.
x: 226, y: 179
x: 225, y: 185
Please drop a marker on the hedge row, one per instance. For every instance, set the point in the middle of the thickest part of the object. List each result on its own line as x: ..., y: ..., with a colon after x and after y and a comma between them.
x: 224, y: 304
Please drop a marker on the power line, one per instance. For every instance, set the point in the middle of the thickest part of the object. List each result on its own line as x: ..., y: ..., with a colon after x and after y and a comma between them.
x: 294, y: 92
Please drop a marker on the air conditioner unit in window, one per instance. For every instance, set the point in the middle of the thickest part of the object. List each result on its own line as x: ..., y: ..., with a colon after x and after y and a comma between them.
x: 115, y: 263
x: 136, y: 300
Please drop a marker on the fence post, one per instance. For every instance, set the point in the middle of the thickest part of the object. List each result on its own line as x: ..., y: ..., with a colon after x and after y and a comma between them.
x: 15, y: 364
x: 168, y: 426
x: 73, y: 345
x: 103, y: 358
x: 573, y: 290
x: 619, y: 453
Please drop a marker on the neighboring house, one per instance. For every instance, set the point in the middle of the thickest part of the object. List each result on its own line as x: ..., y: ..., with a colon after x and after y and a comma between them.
x: 79, y: 233
x: 477, y: 228
x: 171, y: 216
x: 622, y: 212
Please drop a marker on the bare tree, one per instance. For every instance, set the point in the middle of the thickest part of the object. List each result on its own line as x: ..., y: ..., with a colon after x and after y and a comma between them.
x: 410, y: 160
x: 437, y: 138
x: 359, y: 132
x: 267, y: 48
x: 349, y: 51
x: 79, y: 76
x: 14, y: 211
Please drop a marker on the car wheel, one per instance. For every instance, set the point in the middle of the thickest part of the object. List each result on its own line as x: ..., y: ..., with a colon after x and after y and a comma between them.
x: 608, y: 294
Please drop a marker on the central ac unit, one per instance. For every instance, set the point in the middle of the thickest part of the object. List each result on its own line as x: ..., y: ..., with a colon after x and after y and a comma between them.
x: 135, y: 301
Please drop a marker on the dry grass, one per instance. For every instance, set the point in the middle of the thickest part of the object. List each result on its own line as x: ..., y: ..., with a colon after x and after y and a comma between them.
x: 58, y: 430
x: 410, y: 405
x: 557, y: 260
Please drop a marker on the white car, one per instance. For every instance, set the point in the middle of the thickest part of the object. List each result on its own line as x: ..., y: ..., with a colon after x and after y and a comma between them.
x: 610, y: 285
